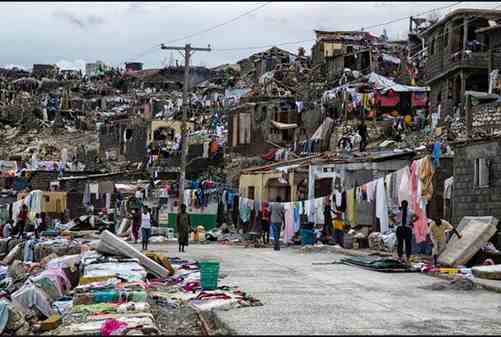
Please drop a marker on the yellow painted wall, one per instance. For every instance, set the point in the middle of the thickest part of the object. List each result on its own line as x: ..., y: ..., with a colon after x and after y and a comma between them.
x: 259, y: 182
x: 176, y: 125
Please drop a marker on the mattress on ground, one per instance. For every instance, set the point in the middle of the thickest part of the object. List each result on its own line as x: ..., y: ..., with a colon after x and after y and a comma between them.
x: 378, y: 264
x: 465, y: 221
x: 488, y: 272
x: 473, y: 236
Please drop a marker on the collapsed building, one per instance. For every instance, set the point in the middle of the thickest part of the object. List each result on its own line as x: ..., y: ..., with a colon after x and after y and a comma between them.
x: 460, y: 57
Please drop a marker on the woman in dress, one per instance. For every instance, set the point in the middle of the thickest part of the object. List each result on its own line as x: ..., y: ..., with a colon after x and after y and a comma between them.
x: 183, y: 225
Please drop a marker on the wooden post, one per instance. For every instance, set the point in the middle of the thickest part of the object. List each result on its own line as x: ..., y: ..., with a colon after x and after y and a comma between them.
x: 463, y: 91
x: 468, y: 117
x: 465, y: 33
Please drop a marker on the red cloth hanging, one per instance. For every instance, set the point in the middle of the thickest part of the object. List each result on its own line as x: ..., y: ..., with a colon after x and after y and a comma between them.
x: 270, y: 155
x: 390, y: 99
x: 419, y: 99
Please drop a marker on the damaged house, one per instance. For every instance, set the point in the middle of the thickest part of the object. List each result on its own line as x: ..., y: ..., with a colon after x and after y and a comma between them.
x: 457, y: 60
x: 337, y: 50
x: 289, y: 180
x: 262, y: 123
x: 263, y: 62
x: 44, y: 71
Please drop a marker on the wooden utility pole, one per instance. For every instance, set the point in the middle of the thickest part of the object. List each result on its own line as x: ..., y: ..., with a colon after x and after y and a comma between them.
x: 188, y: 51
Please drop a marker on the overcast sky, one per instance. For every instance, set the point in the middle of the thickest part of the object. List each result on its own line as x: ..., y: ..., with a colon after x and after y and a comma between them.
x: 70, y: 34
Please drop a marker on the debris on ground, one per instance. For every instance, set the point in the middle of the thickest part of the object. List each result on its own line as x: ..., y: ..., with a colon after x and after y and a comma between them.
x: 458, y: 283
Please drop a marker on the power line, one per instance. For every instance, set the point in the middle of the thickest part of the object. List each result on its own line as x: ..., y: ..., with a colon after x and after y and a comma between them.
x: 462, y: 24
x: 146, y: 52
x: 364, y: 28
x: 220, y: 25
x: 155, y: 47
x: 408, y: 17
x: 267, y: 46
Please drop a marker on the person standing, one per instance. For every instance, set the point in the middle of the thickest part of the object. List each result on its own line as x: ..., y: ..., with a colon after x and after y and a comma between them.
x: 22, y: 219
x: 404, y: 232
x: 145, y: 227
x: 327, y: 230
x: 183, y: 225
x: 438, y: 228
x: 38, y: 225
x: 364, y: 135
x: 277, y: 221
x: 136, y: 224
x: 265, y: 223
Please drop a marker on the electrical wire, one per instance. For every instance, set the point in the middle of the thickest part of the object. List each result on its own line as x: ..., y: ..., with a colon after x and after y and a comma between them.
x: 219, y: 25
x: 467, y: 21
x: 408, y: 17
x: 364, y: 28
x: 155, y: 48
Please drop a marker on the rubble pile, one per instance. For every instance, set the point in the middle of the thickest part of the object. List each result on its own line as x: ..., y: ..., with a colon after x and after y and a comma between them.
x: 61, y: 286
x: 48, y: 142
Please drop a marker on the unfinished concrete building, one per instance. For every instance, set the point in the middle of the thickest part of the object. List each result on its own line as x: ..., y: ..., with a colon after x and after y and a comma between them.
x: 338, y: 50
x: 457, y: 60
x: 259, y: 121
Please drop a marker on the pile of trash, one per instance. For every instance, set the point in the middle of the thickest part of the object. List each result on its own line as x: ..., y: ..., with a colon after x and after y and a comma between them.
x: 458, y: 283
x: 382, y: 242
x: 63, y: 286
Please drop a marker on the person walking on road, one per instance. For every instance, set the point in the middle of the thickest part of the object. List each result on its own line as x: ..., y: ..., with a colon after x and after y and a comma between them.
x: 183, y: 225
x: 277, y: 220
x: 327, y: 229
x: 22, y: 219
x: 136, y: 224
x: 265, y: 223
x: 145, y: 227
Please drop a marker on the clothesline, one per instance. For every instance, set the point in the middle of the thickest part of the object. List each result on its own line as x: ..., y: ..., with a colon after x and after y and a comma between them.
x: 308, y: 200
x: 414, y: 185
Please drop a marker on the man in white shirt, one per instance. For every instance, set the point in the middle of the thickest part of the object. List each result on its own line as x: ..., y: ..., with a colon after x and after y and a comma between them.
x: 145, y: 227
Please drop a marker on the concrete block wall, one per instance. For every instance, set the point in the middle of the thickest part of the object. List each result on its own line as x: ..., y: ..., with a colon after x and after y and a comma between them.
x: 469, y: 200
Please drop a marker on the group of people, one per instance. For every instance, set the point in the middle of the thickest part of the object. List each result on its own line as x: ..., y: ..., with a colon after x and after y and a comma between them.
x: 346, y: 142
x: 334, y: 228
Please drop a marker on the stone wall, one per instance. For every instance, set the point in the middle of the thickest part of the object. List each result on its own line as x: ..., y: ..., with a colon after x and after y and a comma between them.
x: 486, y: 118
x: 469, y: 200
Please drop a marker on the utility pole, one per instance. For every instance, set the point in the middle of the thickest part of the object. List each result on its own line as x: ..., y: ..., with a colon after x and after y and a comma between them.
x: 188, y: 51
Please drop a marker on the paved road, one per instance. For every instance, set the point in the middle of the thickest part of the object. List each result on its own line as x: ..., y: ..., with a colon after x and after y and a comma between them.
x: 300, y: 298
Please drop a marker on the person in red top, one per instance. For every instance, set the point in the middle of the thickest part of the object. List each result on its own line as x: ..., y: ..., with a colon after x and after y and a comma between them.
x: 22, y: 219
x: 265, y: 223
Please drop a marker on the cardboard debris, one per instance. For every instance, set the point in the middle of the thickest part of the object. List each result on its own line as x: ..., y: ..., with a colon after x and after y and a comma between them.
x: 111, y: 241
x: 474, y: 235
